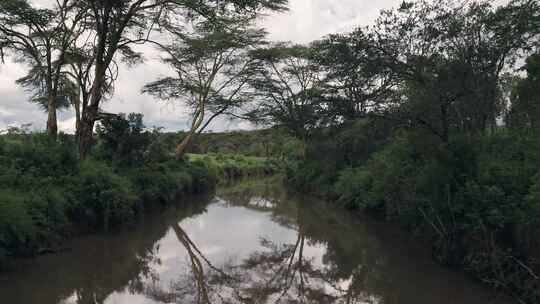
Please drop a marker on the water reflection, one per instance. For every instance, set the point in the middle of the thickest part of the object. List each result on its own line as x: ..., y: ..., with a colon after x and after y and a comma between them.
x: 95, y: 268
x: 252, y: 243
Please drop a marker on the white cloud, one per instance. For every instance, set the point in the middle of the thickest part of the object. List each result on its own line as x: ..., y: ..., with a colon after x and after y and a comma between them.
x: 67, y: 125
x: 5, y: 112
x: 308, y: 20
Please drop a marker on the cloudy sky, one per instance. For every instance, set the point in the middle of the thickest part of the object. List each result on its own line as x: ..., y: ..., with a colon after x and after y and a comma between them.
x: 307, y: 20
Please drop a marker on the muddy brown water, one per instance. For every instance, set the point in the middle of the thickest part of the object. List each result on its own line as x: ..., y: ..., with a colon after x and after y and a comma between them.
x: 249, y: 243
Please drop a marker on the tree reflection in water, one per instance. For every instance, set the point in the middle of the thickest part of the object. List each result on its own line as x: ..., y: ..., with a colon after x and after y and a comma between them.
x: 203, y: 282
x: 278, y: 273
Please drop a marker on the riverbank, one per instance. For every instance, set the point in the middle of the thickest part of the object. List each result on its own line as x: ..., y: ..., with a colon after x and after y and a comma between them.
x: 475, y: 199
x: 47, y: 195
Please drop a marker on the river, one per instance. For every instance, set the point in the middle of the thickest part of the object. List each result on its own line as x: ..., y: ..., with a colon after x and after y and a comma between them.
x: 251, y: 242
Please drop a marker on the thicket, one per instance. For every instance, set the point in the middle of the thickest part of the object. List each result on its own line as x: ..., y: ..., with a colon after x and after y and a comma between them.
x: 47, y: 194
x: 477, y: 199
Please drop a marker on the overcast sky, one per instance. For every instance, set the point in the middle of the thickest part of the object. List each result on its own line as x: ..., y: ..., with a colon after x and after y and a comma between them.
x: 307, y: 20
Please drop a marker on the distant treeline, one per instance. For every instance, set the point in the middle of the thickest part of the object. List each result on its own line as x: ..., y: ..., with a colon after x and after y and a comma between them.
x: 273, y: 142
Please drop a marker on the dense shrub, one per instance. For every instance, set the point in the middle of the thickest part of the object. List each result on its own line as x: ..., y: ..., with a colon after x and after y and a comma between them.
x: 17, y: 228
x: 103, y: 197
x: 353, y: 188
x: 122, y: 139
x: 34, y: 172
x: 47, y: 194
x: 476, y: 198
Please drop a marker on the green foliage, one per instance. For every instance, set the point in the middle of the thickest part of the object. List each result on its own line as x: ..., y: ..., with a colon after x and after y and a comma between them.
x: 46, y: 194
x: 401, y: 119
x: 525, y: 111
x: 532, y: 215
x: 476, y: 199
x: 104, y: 198
x: 16, y: 226
x: 273, y: 143
x: 230, y: 167
x: 124, y: 140
x: 157, y: 184
x: 287, y: 88
x: 33, y: 173
x: 204, y: 176
x: 352, y: 187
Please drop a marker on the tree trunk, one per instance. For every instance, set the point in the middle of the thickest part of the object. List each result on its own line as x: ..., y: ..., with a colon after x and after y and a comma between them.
x: 90, y: 113
x: 182, y: 147
x: 86, y: 131
x: 76, y: 103
x: 197, y: 122
x: 77, y: 121
x: 52, y: 124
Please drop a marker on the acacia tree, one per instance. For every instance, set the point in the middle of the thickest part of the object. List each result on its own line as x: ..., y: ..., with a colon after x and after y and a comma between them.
x: 111, y: 23
x: 287, y: 88
x: 118, y: 25
x: 212, y: 69
x: 355, y: 83
x: 80, y: 72
x: 40, y: 37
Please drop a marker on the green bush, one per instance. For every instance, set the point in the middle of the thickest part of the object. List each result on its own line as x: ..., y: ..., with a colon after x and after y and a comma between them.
x: 122, y: 139
x: 353, y: 188
x: 104, y: 197
x: 17, y: 228
x: 161, y: 183
x: 476, y: 198
x: 34, y: 172
x: 46, y: 194
x: 203, y: 175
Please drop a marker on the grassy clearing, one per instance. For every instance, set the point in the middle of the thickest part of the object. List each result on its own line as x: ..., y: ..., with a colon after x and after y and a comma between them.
x: 229, y: 166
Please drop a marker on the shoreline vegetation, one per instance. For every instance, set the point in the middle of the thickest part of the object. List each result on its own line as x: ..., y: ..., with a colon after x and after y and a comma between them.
x: 47, y: 195
x: 474, y: 200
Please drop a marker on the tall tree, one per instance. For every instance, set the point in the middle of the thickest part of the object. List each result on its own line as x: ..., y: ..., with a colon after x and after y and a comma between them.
x: 40, y: 37
x: 80, y: 62
x: 212, y: 68
x: 355, y: 82
x: 287, y: 88
x: 120, y: 24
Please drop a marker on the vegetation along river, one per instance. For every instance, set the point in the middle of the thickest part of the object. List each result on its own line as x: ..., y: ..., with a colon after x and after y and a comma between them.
x: 249, y: 243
